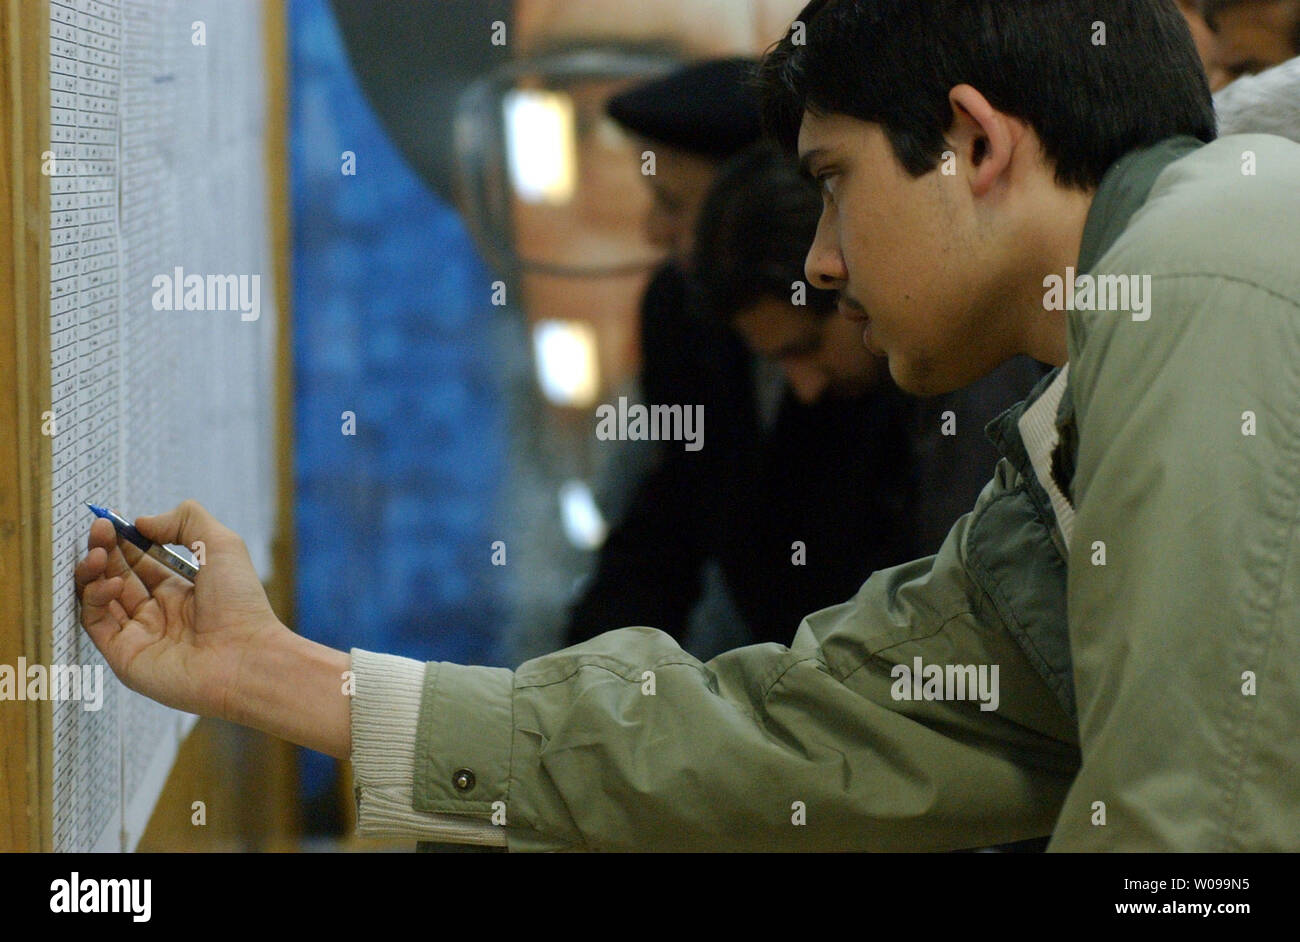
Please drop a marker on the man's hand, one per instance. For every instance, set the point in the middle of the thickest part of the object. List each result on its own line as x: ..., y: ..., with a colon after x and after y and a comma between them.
x: 213, y: 647
x: 179, y: 643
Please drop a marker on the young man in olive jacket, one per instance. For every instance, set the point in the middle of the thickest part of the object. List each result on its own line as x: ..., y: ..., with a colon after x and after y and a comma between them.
x: 1105, y: 649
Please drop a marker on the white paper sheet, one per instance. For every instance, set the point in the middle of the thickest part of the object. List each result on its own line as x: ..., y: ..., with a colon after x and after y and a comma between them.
x: 159, y: 145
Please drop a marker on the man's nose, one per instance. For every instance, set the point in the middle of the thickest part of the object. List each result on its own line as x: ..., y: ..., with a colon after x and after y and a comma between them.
x: 824, y: 265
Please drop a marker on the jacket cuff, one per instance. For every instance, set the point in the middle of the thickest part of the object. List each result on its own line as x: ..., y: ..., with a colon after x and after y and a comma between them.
x: 385, y: 723
x: 465, y: 726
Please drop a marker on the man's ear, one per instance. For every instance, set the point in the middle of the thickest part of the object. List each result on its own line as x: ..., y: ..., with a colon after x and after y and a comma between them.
x: 982, y: 136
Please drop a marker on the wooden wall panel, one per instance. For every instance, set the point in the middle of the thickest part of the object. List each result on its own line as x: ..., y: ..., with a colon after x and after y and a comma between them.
x: 25, y: 557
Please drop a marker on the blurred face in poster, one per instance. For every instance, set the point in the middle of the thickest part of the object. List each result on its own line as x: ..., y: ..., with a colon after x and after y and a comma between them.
x: 678, y: 186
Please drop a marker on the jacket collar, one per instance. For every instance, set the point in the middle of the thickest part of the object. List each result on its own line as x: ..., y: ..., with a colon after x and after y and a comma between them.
x: 1123, y: 191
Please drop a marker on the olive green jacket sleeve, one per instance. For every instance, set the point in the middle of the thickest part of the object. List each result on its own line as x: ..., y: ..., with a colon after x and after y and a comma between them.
x: 1185, y: 559
x: 625, y: 742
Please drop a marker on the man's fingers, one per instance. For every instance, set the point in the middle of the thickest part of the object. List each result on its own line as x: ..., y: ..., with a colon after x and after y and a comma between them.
x: 102, y: 535
x: 183, y: 524
x: 101, y: 612
x: 133, y: 592
x: 97, y: 595
x: 150, y: 572
x: 90, y: 568
x: 140, y: 575
x: 102, y: 591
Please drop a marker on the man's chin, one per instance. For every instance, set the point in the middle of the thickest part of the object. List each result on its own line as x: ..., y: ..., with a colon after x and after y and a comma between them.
x: 924, y: 382
x: 928, y: 379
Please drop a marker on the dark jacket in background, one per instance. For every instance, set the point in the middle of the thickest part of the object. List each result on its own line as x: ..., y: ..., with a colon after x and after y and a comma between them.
x: 862, y: 483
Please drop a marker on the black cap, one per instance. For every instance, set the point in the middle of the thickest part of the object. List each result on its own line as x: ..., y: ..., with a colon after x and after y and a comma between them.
x: 710, y: 109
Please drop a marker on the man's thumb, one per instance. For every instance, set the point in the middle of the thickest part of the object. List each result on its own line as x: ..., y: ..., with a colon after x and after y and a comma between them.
x: 183, y: 524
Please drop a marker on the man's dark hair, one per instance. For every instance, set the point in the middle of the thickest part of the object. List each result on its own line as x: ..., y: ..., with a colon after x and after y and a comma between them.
x: 1210, y: 9
x: 893, y: 63
x: 755, y: 229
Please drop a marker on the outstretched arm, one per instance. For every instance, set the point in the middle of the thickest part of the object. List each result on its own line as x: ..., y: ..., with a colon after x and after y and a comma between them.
x: 627, y: 742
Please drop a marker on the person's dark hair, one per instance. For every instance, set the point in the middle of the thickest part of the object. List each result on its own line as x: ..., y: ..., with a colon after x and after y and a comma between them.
x: 1210, y: 9
x: 893, y: 63
x: 756, y: 226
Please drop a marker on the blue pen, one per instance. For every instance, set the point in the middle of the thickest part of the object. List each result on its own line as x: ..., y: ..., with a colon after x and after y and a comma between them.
x: 177, y: 564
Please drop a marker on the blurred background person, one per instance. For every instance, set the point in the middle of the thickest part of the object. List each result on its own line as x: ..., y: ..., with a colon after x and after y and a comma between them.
x: 812, y: 467
x: 739, y: 237
x: 1252, y: 36
x: 1257, y: 52
x: 685, y: 126
x: 748, y: 275
x: 1251, y: 96
x: 1205, y: 43
x: 817, y: 471
x: 692, y: 121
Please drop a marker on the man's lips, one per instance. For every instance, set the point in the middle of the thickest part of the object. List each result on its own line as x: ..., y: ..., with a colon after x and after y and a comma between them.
x: 855, y: 312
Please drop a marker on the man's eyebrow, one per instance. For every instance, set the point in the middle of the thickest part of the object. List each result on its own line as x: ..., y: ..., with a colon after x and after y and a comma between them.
x: 805, y: 162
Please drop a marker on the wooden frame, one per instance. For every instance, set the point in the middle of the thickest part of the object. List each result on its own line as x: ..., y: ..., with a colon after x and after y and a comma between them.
x: 26, y: 560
